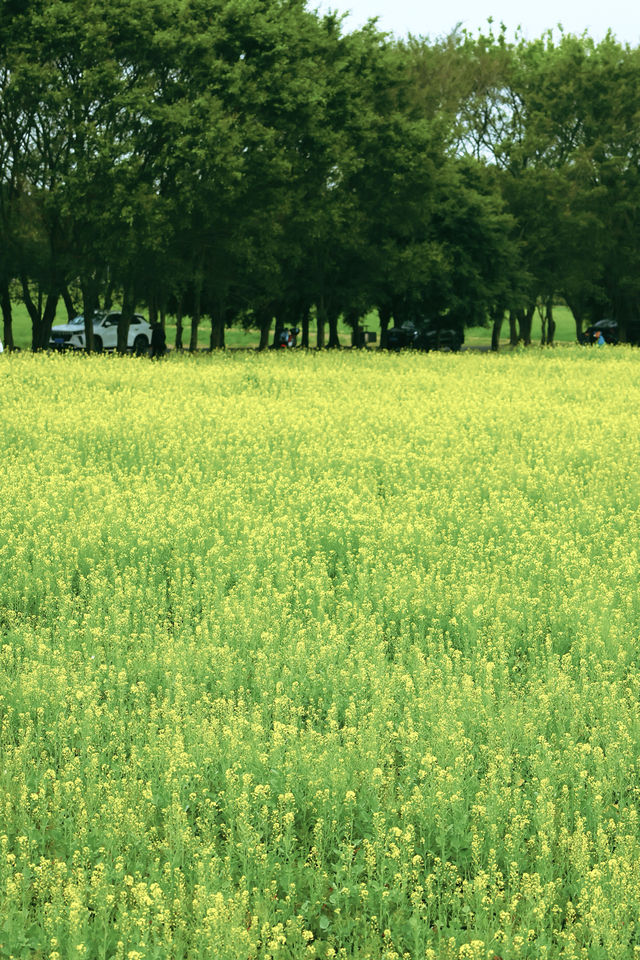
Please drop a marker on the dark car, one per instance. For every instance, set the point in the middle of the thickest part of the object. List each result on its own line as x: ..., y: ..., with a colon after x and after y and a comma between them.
x: 424, y: 337
x: 608, y: 329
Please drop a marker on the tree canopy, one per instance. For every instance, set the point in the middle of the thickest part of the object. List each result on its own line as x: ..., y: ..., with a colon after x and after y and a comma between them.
x: 249, y: 161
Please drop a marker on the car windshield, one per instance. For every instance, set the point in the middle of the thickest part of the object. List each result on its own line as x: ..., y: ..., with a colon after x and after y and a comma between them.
x: 78, y: 321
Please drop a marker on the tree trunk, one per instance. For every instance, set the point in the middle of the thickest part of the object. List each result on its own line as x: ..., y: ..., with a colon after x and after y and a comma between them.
x: 577, y: 316
x: 551, y: 324
x: 195, y: 319
x: 543, y: 327
x: 264, y: 325
x: 279, y: 327
x: 321, y: 319
x: 47, y: 318
x: 357, y: 336
x: 33, y: 312
x: 68, y: 302
x: 513, y: 328
x: 306, y: 317
x: 153, y: 309
x: 385, y: 318
x: 529, y: 323
x: 216, y: 339
x: 7, y: 317
x: 495, y: 331
x: 89, y: 288
x: 179, y: 326
x: 400, y: 313
x: 193, y: 337
x: 334, y: 340
x: 578, y: 319
x: 622, y: 316
x: 41, y: 321
x: 525, y: 320
x: 108, y: 296
x: 128, y: 309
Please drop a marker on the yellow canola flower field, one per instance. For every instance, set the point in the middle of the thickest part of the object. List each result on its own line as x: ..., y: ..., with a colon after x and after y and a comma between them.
x: 320, y: 656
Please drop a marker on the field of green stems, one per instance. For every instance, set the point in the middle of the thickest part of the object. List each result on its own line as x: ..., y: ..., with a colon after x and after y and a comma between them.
x: 316, y: 656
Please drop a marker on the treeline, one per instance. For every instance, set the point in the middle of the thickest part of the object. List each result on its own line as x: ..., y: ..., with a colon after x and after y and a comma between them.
x: 248, y: 162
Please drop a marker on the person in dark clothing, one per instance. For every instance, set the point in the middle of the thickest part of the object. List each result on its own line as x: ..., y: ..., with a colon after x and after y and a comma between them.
x: 158, y: 340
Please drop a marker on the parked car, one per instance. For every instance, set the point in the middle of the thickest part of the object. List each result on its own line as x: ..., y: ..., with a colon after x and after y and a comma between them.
x: 424, y: 337
x: 70, y: 336
x: 608, y: 329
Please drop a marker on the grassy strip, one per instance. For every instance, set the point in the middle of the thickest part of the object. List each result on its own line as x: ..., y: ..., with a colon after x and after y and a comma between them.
x: 238, y: 338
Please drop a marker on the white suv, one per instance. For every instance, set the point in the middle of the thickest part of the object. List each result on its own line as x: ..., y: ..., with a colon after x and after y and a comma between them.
x: 105, y: 333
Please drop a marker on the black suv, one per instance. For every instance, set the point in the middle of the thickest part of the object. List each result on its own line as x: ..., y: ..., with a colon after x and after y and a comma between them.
x: 424, y: 337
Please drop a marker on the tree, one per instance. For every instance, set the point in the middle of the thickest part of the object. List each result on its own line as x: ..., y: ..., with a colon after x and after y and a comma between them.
x: 557, y: 119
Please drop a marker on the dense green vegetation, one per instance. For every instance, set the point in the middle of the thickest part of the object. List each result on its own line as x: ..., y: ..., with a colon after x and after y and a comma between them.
x: 251, y: 163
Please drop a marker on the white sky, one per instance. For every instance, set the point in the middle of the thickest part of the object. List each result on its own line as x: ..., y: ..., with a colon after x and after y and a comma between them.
x: 435, y: 19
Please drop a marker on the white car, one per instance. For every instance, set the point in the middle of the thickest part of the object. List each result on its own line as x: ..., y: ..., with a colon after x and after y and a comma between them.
x: 105, y: 333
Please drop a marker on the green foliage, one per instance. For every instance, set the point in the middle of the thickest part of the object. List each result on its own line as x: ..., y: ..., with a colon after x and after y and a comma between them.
x: 249, y: 160
x: 216, y: 159
x: 559, y: 119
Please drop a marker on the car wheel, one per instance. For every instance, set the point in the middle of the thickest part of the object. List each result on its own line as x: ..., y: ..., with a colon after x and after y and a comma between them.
x: 97, y: 344
x: 140, y: 345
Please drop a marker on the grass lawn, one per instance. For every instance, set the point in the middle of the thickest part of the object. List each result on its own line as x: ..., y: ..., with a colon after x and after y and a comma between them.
x: 246, y: 339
